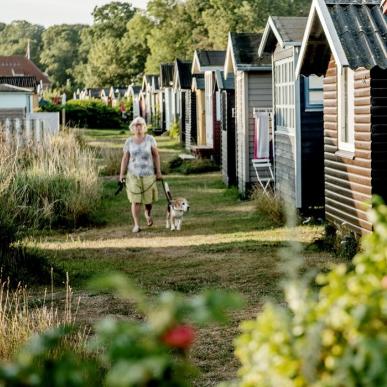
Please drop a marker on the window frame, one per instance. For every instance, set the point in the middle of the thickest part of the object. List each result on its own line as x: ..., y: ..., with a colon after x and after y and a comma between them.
x: 310, y: 106
x: 346, y: 109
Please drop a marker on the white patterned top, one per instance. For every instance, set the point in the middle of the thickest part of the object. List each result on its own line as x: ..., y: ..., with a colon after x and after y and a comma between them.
x: 141, y: 160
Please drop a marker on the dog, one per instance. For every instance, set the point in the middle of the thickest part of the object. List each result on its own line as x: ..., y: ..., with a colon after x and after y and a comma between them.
x: 175, y: 210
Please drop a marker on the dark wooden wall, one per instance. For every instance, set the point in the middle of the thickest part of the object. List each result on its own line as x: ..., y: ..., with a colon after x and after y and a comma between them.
x: 217, y: 133
x: 312, y: 154
x: 348, y: 179
x: 379, y: 131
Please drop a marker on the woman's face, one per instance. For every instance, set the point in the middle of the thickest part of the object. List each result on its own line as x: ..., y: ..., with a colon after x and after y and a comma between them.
x: 138, y: 128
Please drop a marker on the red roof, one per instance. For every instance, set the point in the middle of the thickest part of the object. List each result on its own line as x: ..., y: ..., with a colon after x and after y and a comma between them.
x: 18, y: 65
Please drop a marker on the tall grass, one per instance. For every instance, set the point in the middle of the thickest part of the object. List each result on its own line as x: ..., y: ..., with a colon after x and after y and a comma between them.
x: 53, y: 184
x: 269, y: 205
x: 19, y: 319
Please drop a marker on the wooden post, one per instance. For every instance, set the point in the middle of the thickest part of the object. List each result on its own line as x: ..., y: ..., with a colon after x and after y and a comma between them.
x: 28, y: 132
x: 18, y: 133
x: 8, y: 131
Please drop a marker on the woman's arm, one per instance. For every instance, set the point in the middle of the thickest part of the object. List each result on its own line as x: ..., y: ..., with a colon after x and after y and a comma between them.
x: 124, y: 165
x: 156, y: 161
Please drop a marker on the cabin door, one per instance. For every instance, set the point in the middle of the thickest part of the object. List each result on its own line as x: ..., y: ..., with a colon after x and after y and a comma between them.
x: 201, y: 117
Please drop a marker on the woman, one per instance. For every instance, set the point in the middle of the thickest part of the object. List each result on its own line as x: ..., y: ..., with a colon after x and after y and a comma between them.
x: 141, y: 161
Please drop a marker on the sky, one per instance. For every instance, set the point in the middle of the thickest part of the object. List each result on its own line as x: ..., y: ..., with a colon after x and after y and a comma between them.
x: 50, y: 12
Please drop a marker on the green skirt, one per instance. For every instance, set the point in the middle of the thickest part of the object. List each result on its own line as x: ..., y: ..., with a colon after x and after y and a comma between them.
x: 141, y: 189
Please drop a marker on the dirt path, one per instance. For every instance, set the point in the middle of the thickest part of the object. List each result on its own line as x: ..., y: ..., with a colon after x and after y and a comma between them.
x: 223, y: 244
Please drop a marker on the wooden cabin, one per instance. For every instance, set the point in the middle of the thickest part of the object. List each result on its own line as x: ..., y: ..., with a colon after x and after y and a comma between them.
x: 253, y: 90
x: 206, y: 63
x: 168, y: 106
x: 182, y: 85
x: 150, y: 100
x: 298, y: 117
x: 225, y: 111
x: 133, y: 93
x: 345, y: 41
x: 200, y: 116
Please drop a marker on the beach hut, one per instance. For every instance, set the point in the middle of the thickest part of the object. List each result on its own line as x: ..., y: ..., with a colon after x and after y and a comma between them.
x: 225, y: 110
x: 150, y: 100
x: 182, y: 85
x: 298, y: 117
x: 168, y: 109
x: 253, y: 90
x: 208, y: 128
x: 133, y: 94
x: 345, y: 41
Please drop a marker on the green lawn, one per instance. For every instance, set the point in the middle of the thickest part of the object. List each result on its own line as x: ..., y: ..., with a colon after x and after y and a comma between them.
x: 223, y: 244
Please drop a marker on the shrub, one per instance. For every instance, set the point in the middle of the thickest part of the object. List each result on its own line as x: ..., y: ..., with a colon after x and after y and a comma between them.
x: 269, y: 205
x: 89, y: 114
x: 111, y: 161
x: 189, y: 167
x: 149, y: 352
x: 337, y: 337
x: 174, y: 131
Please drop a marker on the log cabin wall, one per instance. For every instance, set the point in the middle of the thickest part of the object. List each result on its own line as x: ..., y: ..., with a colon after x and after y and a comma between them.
x: 379, y: 131
x: 348, y: 179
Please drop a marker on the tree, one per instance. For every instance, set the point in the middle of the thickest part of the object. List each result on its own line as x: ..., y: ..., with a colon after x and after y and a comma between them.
x: 61, y: 53
x: 14, y: 39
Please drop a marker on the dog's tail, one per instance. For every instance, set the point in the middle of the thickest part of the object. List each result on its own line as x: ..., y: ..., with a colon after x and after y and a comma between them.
x: 167, y: 191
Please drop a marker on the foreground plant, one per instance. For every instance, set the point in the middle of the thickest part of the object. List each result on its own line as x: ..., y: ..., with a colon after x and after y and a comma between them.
x: 150, y: 352
x: 337, y: 337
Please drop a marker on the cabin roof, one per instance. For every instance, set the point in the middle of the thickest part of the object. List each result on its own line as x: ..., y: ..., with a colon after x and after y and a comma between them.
x: 19, y: 65
x: 134, y: 89
x: 286, y: 31
x: 243, y: 51
x: 207, y: 61
x: 167, y: 72
x: 198, y: 82
x: 183, y: 74
x: 354, y: 31
x: 152, y: 81
x: 222, y: 83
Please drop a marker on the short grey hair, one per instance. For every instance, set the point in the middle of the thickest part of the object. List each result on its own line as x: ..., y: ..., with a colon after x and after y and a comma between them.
x: 138, y: 120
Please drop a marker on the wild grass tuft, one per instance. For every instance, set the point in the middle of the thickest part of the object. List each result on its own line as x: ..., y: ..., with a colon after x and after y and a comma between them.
x: 269, y: 205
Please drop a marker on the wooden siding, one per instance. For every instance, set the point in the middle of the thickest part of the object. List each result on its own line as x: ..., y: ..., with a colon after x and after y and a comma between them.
x: 312, y: 154
x: 240, y: 129
x: 378, y: 110
x: 348, y: 180
x: 200, y: 118
x: 285, y: 179
x: 217, y: 133
x: 190, y: 119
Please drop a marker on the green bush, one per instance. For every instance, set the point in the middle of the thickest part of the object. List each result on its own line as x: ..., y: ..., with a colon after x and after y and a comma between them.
x: 189, y: 167
x: 89, y: 114
x: 174, y: 131
x: 337, y: 337
x: 149, y: 352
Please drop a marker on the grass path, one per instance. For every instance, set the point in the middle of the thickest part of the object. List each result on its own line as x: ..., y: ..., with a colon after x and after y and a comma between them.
x: 223, y: 244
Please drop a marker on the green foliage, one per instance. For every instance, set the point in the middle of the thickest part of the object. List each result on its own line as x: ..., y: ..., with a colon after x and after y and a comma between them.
x: 189, y: 167
x: 60, y: 52
x: 149, y: 352
x: 174, y: 131
x: 14, y: 39
x: 89, y: 114
x: 337, y: 337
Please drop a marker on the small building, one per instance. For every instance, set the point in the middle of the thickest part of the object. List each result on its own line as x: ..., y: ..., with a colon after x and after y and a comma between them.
x: 253, y: 90
x: 21, y: 66
x: 15, y: 102
x: 182, y: 84
x: 133, y: 93
x: 298, y: 117
x: 225, y: 111
x: 168, y: 106
x: 206, y: 63
x: 150, y: 100
x: 345, y: 41
x: 105, y: 96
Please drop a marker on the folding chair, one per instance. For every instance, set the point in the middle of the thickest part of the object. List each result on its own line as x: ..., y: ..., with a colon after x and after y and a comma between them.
x: 261, y: 161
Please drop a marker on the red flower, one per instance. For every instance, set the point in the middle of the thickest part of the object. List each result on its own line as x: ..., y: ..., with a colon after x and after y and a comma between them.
x: 181, y: 336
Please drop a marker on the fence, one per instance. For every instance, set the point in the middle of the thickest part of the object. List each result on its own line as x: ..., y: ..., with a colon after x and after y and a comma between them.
x: 23, y: 132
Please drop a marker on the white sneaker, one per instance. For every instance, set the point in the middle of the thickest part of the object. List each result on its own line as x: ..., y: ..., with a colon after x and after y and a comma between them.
x: 136, y: 229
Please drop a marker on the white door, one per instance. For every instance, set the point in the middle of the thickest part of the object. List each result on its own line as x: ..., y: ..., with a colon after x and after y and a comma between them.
x: 209, y: 109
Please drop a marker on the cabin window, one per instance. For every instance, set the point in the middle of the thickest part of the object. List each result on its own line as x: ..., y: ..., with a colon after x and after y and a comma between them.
x: 314, y: 94
x: 346, y: 106
x: 284, y: 95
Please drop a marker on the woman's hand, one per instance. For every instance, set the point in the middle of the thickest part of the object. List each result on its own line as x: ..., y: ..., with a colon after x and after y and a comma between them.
x: 159, y: 176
